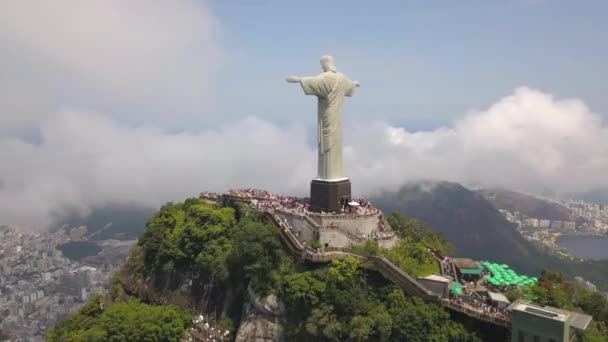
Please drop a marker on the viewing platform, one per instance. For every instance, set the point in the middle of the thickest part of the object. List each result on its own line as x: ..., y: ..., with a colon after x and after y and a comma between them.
x: 358, y: 222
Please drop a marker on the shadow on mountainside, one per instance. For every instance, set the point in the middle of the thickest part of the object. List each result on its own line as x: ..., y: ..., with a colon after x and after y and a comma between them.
x: 478, y: 230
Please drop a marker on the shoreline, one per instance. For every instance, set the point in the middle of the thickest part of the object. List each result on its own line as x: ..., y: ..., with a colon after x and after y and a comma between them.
x: 588, y: 247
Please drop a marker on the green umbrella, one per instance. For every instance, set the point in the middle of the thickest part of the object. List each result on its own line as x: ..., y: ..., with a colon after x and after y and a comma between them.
x: 456, y: 289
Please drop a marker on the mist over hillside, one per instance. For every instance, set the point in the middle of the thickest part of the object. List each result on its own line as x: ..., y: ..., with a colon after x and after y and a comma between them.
x: 127, y: 221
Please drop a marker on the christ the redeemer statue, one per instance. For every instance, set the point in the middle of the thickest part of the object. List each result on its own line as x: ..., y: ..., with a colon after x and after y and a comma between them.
x: 330, y: 191
x: 330, y: 88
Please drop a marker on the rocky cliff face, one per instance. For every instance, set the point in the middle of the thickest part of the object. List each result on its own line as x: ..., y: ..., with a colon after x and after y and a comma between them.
x: 262, y: 319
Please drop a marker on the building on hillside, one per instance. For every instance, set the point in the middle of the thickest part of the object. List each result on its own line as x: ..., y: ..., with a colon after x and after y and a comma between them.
x: 556, y: 224
x: 468, y: 269
x: 78, y: 233
x: 544, y: 223
x: 531, y: 222
x: 569, y: 225
x: 499, y: 300
x: 533, y: 322
x: 437, y: 284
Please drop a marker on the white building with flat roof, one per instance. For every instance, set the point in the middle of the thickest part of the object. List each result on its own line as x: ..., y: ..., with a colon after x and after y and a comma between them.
x: 535, y: 323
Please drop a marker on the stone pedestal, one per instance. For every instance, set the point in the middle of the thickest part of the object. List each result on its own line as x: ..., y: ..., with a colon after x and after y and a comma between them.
x: 329, y: 196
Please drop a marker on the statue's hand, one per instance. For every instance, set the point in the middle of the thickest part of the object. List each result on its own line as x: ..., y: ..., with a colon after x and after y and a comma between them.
x: 294, y: 79
x: 356, y: 83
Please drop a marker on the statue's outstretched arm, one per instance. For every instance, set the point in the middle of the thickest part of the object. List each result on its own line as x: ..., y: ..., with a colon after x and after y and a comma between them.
x: 294, y: 79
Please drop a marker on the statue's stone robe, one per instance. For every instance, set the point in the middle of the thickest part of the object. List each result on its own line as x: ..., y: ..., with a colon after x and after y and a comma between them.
x: 330, y: 88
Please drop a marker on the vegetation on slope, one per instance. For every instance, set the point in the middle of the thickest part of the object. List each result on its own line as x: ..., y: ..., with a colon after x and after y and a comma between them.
x: 197, y: 241
x: 346, y: 303
x: 197, y: 246
x: 121, y: 322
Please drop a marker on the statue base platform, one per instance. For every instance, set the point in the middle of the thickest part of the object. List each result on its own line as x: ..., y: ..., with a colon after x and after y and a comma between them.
x: 329, y: 195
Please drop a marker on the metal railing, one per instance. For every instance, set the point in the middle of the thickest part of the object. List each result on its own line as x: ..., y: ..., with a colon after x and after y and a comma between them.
x: 341, y: 216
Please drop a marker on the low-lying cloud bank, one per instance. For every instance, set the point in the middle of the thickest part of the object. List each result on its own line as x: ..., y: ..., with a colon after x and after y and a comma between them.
x: 85, y: 160
x: 91, y: 94
x: 527, y: 140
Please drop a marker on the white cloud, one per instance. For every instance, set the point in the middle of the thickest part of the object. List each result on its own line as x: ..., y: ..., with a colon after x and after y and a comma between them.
x: 135, y: 54
x: 527, y: 140
x: 87, y: 79
x: 86, y: 160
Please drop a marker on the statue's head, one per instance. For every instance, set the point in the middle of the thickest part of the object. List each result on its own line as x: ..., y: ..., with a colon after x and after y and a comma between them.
x: 327, y: 63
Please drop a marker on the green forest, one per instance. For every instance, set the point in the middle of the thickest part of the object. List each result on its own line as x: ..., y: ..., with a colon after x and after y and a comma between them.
x: 121, y: 321
x: 198, y: 243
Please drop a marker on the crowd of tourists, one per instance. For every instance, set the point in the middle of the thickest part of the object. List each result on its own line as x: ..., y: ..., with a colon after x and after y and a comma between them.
x: 447, y: 267
x: 267, y: 200
x: 366, y: 206
x: 310, y: 252
x: 208, y: 194
x: 482, y: 307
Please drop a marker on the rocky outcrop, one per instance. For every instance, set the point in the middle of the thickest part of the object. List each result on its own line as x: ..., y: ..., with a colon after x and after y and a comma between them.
x: 262, y: 319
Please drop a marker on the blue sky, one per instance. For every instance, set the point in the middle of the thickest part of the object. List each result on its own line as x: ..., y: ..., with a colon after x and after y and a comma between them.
x: 421, y: 63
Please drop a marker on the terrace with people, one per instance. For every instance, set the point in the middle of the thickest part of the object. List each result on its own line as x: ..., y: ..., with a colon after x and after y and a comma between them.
x: 357, y: 222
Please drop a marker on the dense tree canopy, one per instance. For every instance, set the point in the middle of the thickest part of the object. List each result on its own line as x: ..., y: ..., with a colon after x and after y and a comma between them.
x: 339, y: 304
x: 122, y: 322
x: 207, y: 242
x: 195, y: 242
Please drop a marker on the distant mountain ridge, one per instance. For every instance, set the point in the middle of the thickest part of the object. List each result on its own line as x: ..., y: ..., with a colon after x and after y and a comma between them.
x: 526, y: 204
x: 466, y: 218
x: 478, y: 230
